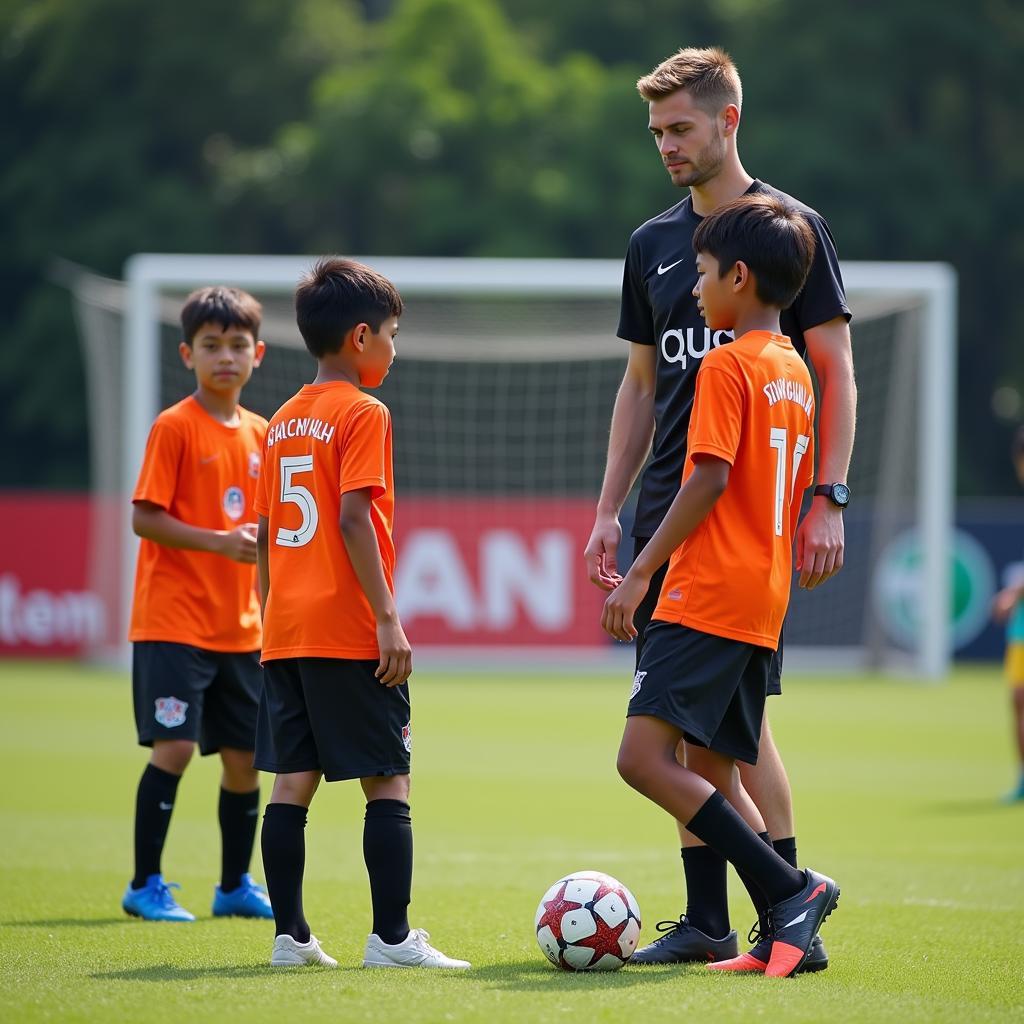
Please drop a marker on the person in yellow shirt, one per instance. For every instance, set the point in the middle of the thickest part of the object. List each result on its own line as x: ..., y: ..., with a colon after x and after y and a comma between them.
x: 1008, y: 607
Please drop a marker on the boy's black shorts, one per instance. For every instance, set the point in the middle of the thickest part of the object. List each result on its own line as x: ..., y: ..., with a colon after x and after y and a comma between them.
x: 188, y: 693
x: 711, y: 687
x: 642, y: 618
x: 334, y: 716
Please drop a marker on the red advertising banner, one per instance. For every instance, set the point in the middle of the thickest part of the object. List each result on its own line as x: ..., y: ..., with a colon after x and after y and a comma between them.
x: 47, y: 607
x: 506, y: 572
x: 471, y: 572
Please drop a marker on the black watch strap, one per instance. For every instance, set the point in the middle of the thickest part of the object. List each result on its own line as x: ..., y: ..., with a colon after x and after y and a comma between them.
x: 838, y: 494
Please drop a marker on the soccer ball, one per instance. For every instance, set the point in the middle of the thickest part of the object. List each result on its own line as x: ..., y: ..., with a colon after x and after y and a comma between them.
x: 588, y: 921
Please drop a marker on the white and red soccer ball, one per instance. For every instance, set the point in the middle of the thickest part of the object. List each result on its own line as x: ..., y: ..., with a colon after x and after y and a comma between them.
x: 588, y: 921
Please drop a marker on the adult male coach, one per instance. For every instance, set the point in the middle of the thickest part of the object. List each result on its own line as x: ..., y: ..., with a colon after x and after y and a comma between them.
x: 694, y: 99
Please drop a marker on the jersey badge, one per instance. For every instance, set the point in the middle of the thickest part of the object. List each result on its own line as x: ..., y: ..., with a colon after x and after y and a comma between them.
x: 254, y: 464
x: 234, y: 502
x: 170, y: 712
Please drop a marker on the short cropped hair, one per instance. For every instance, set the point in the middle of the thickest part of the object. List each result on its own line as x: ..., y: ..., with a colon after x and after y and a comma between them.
x: 335, y: 296
x: 229, y: 307
x: 771, y: 237
x: 708, y: 75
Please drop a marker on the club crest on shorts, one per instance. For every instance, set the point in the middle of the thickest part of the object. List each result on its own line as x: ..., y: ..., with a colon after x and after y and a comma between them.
x: 254, y: 464
x: 170, y: 711
x: 407, y: 737
x: 638, y: 681
x: 234, y: 502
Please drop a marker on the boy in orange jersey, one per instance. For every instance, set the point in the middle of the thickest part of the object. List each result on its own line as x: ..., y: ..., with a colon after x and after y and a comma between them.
x: 703, y: 674
x: 335, y: 702
x: 195, y: 625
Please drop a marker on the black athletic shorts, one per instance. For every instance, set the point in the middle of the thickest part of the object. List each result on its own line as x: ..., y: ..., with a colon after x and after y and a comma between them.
x: 188, y: 693
x: 332, y: 715
x: 710, y: 687
x: 650, y: 602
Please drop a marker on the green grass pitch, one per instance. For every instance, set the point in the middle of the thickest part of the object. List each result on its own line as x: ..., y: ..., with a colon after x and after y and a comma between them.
x: 896, y: 788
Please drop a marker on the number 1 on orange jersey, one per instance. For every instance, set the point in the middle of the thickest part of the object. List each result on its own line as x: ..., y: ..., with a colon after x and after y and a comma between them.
x: 780, y: 442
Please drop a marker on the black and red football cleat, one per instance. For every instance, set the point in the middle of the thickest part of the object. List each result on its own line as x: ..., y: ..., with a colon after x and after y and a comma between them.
x: 682, y: 943
x: 756, y: 959
x: 795, y: 923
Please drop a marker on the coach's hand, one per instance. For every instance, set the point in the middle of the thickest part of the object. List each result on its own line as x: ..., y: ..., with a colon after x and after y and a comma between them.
x: 621, y: 606
x: 239, y: 544
x: 395, y: 654
x: 601, y: 552
x: 820, y: 542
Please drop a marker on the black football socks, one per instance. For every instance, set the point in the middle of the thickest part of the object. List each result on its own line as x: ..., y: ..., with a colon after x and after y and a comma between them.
x: 707, y: 894
x: 283, y: 842
x: 720, y: 826
x: 756, y: 893
x: 154, y: 802
x: 786, y: 849
x: 387, y: 850
x: 237, y: 813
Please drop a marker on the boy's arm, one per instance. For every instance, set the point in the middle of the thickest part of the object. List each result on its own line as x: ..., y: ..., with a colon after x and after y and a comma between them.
x: 157, y: 524
x: 263, y: 559
x: 361, y: 544
x: 694, y: 501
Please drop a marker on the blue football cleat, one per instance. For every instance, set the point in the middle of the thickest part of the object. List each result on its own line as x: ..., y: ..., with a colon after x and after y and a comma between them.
x: 1016, y: 795
x: 154, y: 901
x: 248, y: 900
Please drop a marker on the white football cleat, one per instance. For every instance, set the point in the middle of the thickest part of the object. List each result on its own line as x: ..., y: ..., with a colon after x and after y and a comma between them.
x: 415, y: 951
x: 289, y: 953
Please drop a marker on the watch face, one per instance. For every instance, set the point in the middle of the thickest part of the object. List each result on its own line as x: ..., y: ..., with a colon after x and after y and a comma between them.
x: 841, y: 494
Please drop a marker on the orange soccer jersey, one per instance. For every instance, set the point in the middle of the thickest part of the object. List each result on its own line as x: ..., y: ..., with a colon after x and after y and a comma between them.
x: 203, y: 473
x: 754, y: 408
x: 326, y: 440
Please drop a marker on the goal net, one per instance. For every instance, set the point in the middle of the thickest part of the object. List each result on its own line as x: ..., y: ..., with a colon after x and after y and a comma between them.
x: 501, y: 396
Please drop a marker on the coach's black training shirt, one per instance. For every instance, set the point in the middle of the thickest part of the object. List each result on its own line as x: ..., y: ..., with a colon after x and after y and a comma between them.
x: 658, y: 308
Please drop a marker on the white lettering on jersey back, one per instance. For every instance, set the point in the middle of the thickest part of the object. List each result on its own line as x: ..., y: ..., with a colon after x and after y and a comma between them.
x: 677, y: 344
x: 305, y: 426
x: 782, y: 388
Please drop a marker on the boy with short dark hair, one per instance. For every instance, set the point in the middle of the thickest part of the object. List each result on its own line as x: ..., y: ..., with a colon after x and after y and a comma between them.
x: 195, y: 626
x: 703, y: 675
x: 335, y: 702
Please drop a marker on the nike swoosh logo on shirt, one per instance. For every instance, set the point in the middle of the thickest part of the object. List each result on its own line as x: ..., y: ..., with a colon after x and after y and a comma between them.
x: 209, y: 458
x: 665, y: 270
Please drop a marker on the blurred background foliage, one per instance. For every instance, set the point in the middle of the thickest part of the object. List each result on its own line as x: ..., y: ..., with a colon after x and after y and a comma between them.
x: 487, y: 127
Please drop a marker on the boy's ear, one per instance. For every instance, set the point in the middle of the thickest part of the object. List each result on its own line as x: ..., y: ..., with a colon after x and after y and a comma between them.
x: 261, y: 350
x: 358, y: 336
x: 185, y: 351
x: 740, y: 275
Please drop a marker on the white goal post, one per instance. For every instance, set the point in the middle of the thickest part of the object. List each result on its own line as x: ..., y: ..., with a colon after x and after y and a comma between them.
x: 921, y: 404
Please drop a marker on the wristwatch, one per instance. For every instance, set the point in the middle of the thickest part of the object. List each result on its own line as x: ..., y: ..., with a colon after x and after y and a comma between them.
x: 838, y: 494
